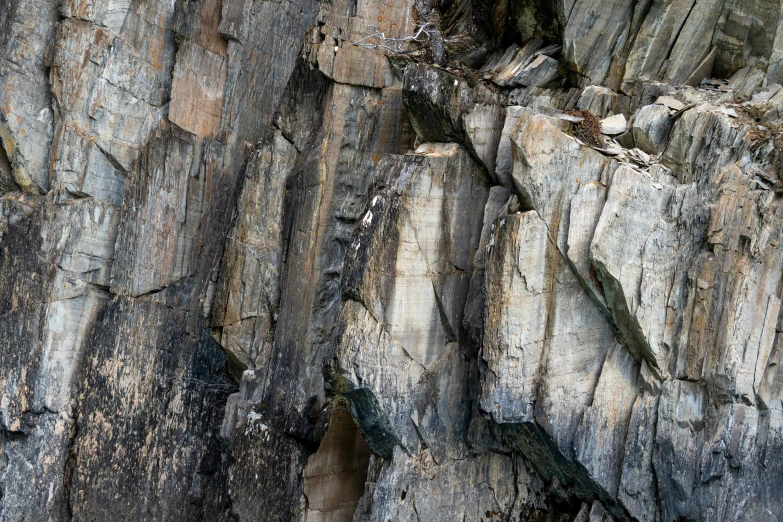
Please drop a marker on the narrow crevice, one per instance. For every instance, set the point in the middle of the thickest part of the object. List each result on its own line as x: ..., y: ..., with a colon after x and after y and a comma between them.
x: 70, y: 465
x: 677, y: 37
x: 149, y: 292
x: 448, y: 330
x: 111, y: 159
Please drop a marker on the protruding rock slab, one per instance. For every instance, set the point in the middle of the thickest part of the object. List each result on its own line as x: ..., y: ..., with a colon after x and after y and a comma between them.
x: 444, y: 108
x: 248, y: 305
x: 197, y: 90
x: 545, y: 346
x: 624, y: 258
x: 556, y: 176
x: 409, y: 265
x: 594, y: 33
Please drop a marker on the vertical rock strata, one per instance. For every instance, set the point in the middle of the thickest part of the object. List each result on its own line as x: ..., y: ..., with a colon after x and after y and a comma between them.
x: 373, y: 261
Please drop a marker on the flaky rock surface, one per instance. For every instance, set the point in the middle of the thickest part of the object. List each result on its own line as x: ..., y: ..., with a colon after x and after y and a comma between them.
x: 381, y: 260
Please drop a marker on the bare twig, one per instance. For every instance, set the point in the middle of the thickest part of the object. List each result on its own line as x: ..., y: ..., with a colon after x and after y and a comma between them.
x: 378, y: 39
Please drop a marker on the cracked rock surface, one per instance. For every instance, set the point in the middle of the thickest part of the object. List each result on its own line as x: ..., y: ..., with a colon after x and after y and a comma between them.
x: 381, y: 260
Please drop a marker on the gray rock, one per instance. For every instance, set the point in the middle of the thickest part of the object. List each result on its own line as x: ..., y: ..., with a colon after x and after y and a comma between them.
x: 682, y: 28
x: 651, y: 128
x: 227, y: 296
x: 443, y: 108
x: 504, y: 163
x: 602, y: 101
x: 421, y: 338
x: 745, y: 33
x: 416, y: 488
x: 27, y: 117
x: 614, y: 125
x: 594, y: 33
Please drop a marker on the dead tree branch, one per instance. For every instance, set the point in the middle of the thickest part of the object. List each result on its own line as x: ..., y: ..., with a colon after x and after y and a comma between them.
x: 378, y: 39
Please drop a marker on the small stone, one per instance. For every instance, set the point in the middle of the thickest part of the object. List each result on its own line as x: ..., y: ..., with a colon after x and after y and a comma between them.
x: 669, y: 102
x: 614, y: 125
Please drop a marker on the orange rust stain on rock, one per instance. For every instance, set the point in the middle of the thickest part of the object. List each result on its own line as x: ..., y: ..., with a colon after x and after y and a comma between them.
x: 155, y: 60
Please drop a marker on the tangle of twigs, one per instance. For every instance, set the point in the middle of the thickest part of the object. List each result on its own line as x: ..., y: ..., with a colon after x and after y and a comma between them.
x: 378, y: 40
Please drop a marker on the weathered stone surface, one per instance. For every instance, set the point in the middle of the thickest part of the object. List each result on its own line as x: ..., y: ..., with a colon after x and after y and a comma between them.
x: 51, y: 297
x: 498, y: 203
x: 27, y: 117
x: 679, y: 434
x: 745, y: 33
x: 602, y: 101
x: 529, y: 66
x: 197, y: 90
x: 638, y: 487
x: 173, y: 183
x: 416, y: 488
x: 130, y: 407
x: 416, y: 303
x: 110, y: 14
x: 623, y: 260
x: 444, y: 109
x: 674, y: 237
x: 614, y: 125
x: 335, y: 474
x: 247, y: 302
x: 312, y: 201
x: 594, y: 33
x: 532, y: 368
x: 651, y: 128
x: 97, y: 89
x: 684, y: 28
x: 338, y: 261
x: 504, y: 162
x: 483, y: 127
x: 105, y: 116
x: 269, y: 462
x: 774, y: 72
x: 551, y: 171
x: 402, y: 357
x: 247, y: 311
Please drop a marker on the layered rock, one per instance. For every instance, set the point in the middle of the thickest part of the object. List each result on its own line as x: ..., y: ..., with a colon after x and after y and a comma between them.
x: 390, y: 260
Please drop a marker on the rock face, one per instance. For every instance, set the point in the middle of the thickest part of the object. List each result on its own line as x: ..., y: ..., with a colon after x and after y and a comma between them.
x: 391, y: 260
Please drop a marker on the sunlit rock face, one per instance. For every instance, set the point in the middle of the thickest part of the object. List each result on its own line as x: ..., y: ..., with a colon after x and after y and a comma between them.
x: 391, y: 260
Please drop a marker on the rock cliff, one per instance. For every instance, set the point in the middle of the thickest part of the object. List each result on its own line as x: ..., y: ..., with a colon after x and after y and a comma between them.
x: 391, y: 260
